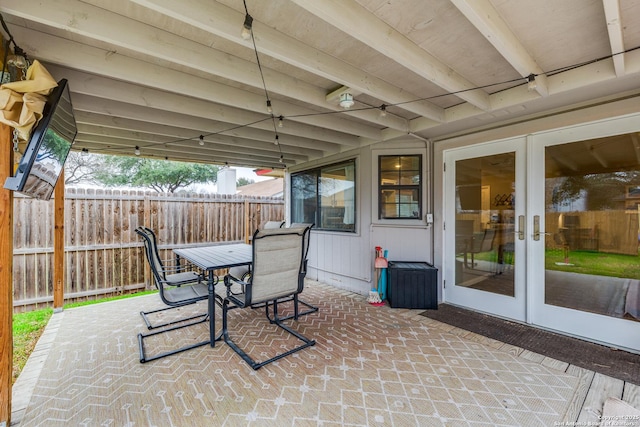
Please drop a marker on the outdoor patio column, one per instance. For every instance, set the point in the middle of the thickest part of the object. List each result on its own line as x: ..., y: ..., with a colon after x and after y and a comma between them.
x: 6, y: 276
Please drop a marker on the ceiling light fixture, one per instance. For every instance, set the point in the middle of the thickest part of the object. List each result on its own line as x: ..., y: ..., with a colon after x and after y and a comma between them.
x: 246, y: 27
x: 531, y: 82
x: 136, y: 151
x: 346, y: 100
x: 201, y: 142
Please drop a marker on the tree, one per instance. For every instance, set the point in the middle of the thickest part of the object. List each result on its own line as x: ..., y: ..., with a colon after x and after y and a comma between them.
x: 82, y: 168
x: 244, y: 181
x: 601, y: 191
x: 160, y: 175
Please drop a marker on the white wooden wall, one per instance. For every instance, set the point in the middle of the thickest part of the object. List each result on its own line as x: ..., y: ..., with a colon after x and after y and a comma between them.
x: 345, y: 260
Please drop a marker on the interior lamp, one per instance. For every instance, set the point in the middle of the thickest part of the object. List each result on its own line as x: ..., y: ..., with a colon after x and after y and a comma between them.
x: 346, y: 100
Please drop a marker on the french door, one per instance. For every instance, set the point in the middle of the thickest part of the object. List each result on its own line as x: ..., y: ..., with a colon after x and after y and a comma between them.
x: 585, y: 275
x: 484, y: 205
x: 545, y: 229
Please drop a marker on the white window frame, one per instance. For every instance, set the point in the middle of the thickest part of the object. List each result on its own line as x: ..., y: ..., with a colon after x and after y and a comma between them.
x: 375, y: 216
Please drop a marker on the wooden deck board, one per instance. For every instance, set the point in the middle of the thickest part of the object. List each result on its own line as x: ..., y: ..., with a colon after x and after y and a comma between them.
x: 601, y: 388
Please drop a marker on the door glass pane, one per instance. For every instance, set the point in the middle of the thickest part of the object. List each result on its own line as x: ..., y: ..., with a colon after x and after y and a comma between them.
x: 592, y: 201
x: 484, y: 226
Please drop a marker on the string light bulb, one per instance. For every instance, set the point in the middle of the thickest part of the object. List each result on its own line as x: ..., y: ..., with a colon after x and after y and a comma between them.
x: 136, y: 151
x: 18, y: 59
x: 383, y: 110
x: 269, y: 108
x: 85, y: 152
x: 201, y: 141
x: 246, y: 27
x: 531, y: 82
x: 280, y: 121
x: 281, y: 158
x: 277, y: 140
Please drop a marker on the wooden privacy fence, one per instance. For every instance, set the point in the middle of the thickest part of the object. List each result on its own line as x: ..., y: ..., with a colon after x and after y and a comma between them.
x: 104, y: 256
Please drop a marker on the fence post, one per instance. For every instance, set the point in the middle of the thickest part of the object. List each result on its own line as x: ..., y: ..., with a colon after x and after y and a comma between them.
x: 246, y: 221
x: 58, y: 245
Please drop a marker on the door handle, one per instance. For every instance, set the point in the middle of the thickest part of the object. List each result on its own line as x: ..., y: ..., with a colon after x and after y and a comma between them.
x: 520, y: 230
x: 536, y: 228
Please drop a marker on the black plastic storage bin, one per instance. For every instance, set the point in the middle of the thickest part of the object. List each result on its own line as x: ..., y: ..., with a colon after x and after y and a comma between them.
x: 412, y: 285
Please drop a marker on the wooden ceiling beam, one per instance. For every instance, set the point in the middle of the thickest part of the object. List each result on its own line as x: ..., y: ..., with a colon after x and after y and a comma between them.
x: 116, y: 109
x: 174, y: 151
x: 171, y: 137
x: 242, y: 138
x: 120, y: 67
x: 616, y: 39
x: 143, y: 39
x: 490, y: 24
x: 225, y: 22
x: 359, y: 23
x: 127, y: 93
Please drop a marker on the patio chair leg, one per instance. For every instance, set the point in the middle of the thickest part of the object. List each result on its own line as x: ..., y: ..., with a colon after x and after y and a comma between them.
x: 151, y: 326
x: 141, y: 337
x: 296, y: 310
x: 250, y: 361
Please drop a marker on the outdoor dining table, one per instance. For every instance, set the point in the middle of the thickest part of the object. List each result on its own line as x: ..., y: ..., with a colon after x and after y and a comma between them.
x: 211, y: 258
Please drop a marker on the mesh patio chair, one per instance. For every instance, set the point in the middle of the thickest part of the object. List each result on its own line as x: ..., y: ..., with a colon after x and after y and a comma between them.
x: 296, y: 300
x: 173, y: 282
x: 481, y: 242
x: 243, y: 272
x: 278, y: 259
x: 177, y: 288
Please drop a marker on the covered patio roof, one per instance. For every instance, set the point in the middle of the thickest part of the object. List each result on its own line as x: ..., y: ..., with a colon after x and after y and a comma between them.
x: 370, y: 366
x: 158, y: 73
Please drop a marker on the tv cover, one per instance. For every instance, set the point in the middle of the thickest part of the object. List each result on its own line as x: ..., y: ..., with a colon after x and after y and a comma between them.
x: 47, y: 148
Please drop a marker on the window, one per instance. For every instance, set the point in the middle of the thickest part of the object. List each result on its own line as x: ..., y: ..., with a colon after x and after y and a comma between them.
x: 325, y: 197
x: 400, y: 187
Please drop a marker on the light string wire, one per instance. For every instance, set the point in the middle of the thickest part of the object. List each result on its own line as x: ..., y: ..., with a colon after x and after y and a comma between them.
x: 16, y: 48
x: 520, y: 80
x: 264, y: 85
x: 382, y: 107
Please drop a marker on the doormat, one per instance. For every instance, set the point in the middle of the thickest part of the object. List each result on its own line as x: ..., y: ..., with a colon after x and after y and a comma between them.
x: 595, y: 357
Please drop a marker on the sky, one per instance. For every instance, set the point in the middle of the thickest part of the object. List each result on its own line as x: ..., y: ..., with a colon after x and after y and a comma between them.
x: 250, y: 174
x: 240, y: 173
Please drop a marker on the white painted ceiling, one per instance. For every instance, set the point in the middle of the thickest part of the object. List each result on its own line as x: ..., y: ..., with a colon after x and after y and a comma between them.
x: 159, y: 73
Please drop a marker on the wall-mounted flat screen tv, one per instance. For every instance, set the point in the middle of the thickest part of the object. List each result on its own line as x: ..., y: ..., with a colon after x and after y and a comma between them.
x: 47, y: 148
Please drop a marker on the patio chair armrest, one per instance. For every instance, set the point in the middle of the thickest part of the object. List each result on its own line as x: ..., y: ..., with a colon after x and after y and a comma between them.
x: 230, y: 280
x: 182, y: 278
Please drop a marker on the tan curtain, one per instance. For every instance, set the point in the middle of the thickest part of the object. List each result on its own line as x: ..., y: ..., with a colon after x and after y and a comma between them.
x: 22, y: 102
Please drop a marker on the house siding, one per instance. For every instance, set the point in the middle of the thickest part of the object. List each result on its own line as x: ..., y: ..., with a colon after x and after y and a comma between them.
x: 345, y: 260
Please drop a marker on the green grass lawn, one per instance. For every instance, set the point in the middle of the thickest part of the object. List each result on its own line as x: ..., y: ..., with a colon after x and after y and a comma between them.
x: 586, y: 262
x: 595, y: 263
x: 28, y: 327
